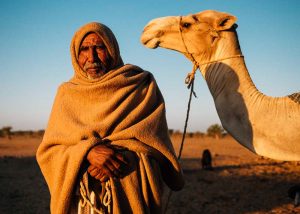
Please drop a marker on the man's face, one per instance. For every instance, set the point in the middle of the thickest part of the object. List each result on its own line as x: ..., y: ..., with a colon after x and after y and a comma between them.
x: 93, y: 56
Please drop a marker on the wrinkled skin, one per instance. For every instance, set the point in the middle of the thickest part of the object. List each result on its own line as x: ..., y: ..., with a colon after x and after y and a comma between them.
x: 93, y: 56
x: 105, y: 162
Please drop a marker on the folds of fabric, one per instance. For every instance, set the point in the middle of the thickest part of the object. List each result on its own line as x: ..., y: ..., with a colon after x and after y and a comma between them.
x: 125, y: 108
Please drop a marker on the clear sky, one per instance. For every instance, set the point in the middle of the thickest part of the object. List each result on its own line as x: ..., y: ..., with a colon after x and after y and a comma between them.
x: 34, y: 54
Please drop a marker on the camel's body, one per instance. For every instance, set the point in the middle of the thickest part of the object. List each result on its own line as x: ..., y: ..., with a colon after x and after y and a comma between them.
x: 266, y: 125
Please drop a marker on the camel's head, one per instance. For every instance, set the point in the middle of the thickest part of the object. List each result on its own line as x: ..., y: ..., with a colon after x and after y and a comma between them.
x: 195, y: 34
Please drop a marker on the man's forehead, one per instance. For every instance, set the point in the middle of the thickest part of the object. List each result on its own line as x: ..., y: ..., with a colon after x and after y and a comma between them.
x: 91, y: 39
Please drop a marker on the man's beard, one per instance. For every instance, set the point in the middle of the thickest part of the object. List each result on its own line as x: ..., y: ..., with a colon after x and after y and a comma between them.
x: 101, y: 69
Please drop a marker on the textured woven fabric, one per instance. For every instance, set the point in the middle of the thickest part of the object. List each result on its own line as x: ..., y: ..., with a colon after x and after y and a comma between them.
x: 123, y: 107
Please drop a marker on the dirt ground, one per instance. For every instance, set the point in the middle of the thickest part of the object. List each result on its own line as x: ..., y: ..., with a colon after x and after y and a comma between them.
x: 240, y: 182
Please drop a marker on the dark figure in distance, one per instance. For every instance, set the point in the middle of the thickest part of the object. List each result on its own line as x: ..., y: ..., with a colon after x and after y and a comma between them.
x: 206, y: 160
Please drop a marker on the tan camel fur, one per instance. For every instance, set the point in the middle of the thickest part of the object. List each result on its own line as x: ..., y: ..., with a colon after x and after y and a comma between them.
x: 268, y: 126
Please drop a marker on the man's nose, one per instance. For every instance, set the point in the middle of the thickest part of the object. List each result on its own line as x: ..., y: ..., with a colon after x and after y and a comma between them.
x: 92, y: 55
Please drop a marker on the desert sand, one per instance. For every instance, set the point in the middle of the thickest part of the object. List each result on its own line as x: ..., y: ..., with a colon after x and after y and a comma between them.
x: 240, y: 182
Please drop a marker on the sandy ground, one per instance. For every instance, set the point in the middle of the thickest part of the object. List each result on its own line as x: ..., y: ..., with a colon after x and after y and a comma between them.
x: 241, y: 182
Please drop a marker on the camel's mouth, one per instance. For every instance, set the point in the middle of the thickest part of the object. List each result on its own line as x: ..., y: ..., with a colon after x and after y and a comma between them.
x: 152, y: 43
x: 149, y: 41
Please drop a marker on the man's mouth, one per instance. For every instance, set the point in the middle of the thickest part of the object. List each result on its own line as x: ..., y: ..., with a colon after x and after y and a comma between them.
x: 94, y: 68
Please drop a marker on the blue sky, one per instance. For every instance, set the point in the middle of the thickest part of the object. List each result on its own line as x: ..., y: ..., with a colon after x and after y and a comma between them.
x: 34, y: 55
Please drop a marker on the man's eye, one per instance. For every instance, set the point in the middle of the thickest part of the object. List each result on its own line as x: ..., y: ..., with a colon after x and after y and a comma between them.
x: 100, y: 47
x: 84, y: 48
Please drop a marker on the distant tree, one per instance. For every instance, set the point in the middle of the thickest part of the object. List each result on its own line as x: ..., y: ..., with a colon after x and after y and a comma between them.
x: 199, y: 134
x: 177, y: 133
x: 6, y: 130
x: 225, y: 134
x: 215, y: 131
x: 19, y: 133
x: 30, y: 132
x: 190, y: 134
x: 41, y: 132
x: 171, y: 131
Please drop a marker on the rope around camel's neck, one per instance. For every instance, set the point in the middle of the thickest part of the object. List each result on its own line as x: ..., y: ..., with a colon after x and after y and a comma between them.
x: 191, y: 76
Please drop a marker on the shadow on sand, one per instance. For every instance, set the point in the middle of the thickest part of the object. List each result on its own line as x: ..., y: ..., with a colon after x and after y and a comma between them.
x: 22, y: 187
x: 223, y: 190
x: 246, y: 188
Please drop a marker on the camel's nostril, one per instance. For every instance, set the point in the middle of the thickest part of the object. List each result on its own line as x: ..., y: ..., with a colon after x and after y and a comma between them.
x: 150, y: 25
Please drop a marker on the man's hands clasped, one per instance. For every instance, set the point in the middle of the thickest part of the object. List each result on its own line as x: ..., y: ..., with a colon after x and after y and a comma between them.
x: 106, y: 162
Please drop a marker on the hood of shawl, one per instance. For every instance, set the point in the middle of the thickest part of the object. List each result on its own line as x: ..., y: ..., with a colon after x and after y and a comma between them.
x: 109, y: 40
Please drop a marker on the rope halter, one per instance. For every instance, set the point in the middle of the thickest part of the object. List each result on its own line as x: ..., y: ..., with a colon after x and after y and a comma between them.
x: 191, y: 76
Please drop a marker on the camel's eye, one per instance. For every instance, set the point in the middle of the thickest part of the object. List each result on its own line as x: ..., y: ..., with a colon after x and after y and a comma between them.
x: 186, y: 25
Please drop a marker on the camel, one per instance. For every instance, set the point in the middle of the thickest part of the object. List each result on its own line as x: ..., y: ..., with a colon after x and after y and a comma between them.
x: 268, y: 126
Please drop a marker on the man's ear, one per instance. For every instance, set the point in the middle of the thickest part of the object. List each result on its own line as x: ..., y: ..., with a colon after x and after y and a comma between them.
x: 224, y: 21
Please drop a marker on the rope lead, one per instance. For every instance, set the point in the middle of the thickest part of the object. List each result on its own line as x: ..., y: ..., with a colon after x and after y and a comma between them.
x: 192, y: 92
x: 191, y: 87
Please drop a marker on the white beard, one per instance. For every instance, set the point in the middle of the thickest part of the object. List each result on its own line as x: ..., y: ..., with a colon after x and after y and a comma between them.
x: 94, y: 75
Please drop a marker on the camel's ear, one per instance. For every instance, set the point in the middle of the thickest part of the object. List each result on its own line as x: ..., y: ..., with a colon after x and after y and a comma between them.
x: 224, y: 21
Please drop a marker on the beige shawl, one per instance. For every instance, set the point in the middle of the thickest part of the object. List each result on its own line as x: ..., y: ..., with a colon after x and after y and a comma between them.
x: 125, y: 107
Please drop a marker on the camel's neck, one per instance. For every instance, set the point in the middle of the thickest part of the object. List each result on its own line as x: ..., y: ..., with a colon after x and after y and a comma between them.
x: 261, y: 123
x: 228, y: 76
x: 232, y: 88
x: 227, y: 72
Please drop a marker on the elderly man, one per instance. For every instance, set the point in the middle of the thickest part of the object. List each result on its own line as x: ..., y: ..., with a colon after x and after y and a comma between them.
x: 106, y: 148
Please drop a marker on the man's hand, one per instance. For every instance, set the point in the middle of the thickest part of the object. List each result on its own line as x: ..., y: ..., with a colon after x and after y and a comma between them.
x: 105, y: 162
x: 97, y: 173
